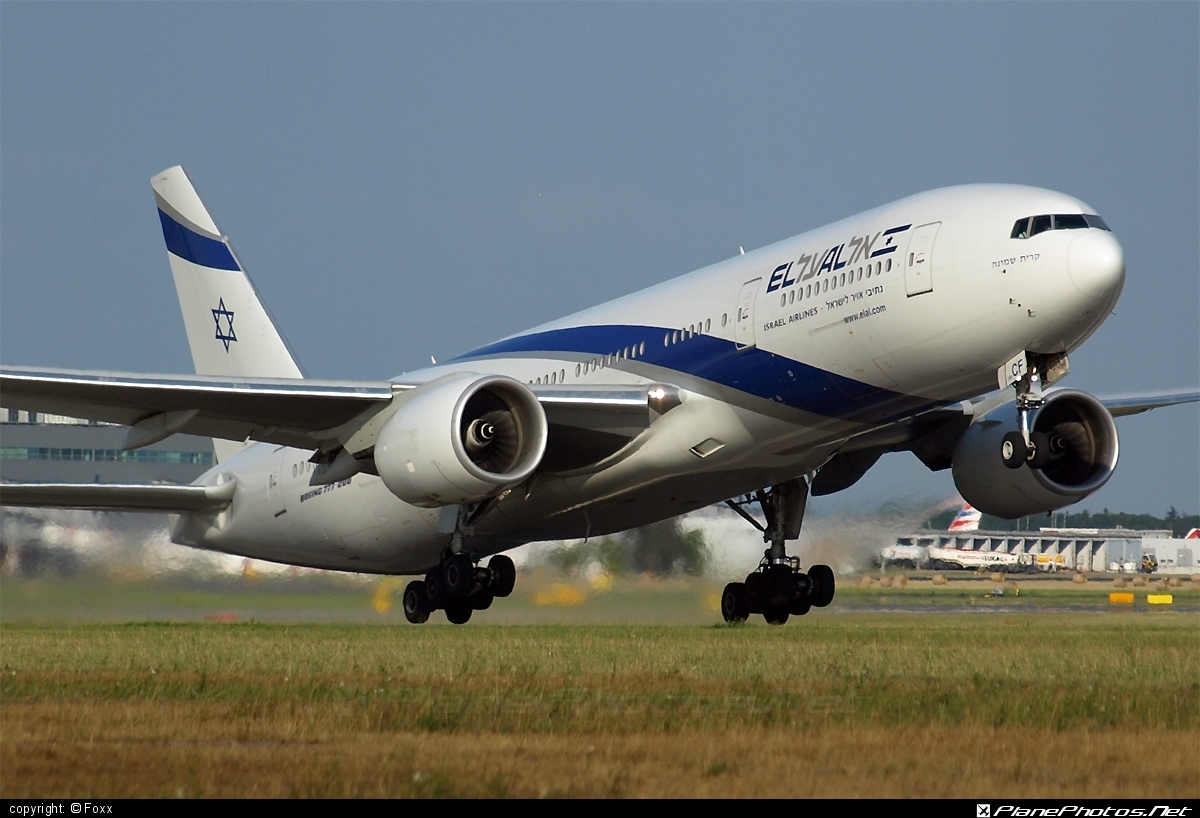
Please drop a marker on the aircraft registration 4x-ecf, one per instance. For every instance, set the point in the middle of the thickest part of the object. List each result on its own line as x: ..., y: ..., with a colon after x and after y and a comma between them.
x: 775, y: 375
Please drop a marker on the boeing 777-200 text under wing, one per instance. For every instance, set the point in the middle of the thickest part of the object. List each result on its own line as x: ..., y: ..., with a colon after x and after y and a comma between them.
x: 777, y: 374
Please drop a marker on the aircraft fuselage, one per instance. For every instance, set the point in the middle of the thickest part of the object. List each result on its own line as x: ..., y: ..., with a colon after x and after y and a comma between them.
x: 783, y: 355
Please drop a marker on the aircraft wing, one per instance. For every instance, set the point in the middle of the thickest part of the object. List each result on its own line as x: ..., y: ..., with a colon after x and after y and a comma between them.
x: 291, y: 412
x: 118, y: 497
x: 931, y: 435
x: 1121, y: 405
x: 304, y: 413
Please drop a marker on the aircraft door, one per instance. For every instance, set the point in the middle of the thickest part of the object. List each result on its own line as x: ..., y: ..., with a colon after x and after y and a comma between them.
x: 918, y: 264
x: 743, y: 328
x: 275, y: 499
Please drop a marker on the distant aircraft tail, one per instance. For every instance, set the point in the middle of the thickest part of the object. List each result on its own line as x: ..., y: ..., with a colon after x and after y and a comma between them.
x: 967, y: 519
x: 229, y: 329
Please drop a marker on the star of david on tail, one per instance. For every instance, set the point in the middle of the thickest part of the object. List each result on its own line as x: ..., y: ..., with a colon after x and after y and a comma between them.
x: 228, y: 335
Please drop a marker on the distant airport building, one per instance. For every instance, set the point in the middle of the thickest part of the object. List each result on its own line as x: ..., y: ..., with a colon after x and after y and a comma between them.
x: 40, y: 448
x: 1117, y: 550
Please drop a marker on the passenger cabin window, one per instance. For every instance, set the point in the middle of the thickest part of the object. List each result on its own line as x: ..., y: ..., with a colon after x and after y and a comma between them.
x: 1032, y: 225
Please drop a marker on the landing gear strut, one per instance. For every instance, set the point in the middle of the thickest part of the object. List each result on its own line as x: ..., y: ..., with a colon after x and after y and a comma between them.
x: 459, y: 585
x: 778, y: 588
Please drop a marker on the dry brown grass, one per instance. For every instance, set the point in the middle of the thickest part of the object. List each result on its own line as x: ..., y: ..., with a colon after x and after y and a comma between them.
x: 878, y: 705
x: 114, y: 755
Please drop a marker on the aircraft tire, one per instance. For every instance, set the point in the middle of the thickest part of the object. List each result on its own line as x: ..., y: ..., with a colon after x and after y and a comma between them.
x: 458, y: 613
x: 799, y: 606
x: 481, y: 600
x: 823, y: 585
x: 776, y: 615
x: 504, y: 575
x: 755, y: 593
x: 458, y: 576
x: 416, y: 603
x: 434, y: 596
x: 733, y: 603
x: 1013, y: 450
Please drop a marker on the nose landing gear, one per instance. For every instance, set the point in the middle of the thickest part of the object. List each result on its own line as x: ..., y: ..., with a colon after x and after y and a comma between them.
x: 1026, y: 447
x: 778, y: 588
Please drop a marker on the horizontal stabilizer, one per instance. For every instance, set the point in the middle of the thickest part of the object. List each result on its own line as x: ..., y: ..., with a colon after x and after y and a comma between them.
x: 118, y: 497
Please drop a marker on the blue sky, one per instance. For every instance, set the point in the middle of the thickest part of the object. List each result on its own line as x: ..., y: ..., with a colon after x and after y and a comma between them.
x: 407, y: 180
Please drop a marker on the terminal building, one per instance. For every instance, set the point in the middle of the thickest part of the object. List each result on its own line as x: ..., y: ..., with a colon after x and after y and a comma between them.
x: 1118, y: 550
x: 40, y: 448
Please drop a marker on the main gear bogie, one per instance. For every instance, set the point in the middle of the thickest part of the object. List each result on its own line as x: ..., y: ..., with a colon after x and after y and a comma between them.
x: 459, y: 586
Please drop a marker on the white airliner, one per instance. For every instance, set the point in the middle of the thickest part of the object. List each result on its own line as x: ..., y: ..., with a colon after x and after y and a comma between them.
x: 780, y: 373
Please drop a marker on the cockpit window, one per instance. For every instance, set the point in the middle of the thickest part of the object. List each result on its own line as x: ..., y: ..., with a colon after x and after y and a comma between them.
x: 1032, y: 225
x: 1070, y: 222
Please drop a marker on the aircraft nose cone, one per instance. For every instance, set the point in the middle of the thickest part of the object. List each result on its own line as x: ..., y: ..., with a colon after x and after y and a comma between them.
x: 1096, y: 263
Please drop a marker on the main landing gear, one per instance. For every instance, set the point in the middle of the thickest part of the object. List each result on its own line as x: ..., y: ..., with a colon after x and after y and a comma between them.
x: 778, y: 588
x: 459, y: 585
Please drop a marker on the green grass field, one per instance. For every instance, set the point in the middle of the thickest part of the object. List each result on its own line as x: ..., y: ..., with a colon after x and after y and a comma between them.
x: 1018, y: 703
x: 541, y: 597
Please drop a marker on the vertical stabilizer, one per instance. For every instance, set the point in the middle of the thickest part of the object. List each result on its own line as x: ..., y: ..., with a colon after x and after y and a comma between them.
x: 228, y: 327
x: 967, y: 519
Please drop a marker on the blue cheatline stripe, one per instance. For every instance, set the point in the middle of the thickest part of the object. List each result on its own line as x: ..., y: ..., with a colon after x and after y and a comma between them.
x: 753, y: 371
x: 198, y: 249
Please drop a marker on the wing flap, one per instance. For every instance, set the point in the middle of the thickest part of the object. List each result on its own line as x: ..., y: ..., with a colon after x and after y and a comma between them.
x: 118, y: 497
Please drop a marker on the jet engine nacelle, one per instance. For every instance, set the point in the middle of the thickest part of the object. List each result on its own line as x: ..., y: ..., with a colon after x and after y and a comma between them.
x: 1082, y: 440
x: 461, y: 440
